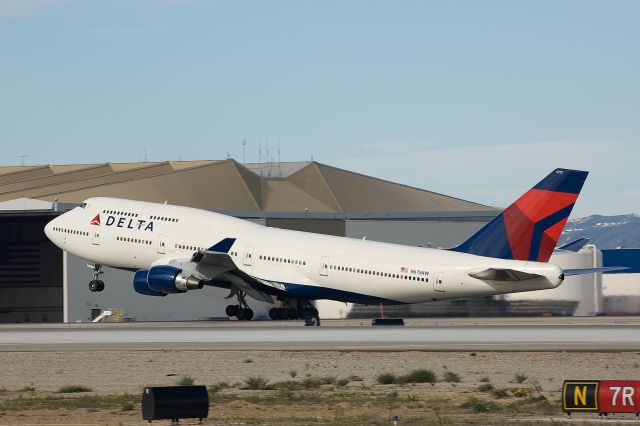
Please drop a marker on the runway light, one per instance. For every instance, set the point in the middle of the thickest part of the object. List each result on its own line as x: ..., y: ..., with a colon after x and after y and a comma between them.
x: 175, y: 403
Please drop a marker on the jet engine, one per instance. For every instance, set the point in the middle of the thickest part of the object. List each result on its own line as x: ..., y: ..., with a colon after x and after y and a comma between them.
x: 164, y: 279
x: 141, y: 285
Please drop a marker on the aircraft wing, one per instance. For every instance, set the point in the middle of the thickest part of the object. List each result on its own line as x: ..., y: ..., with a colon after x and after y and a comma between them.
x: 216, y: 263
x: 212, y: 263
x: 501, y: 274
x: 249, y: 284
x: 217, y: 266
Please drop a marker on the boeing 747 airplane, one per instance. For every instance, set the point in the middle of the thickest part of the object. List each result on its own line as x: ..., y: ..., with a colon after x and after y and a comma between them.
x: 175, y: 249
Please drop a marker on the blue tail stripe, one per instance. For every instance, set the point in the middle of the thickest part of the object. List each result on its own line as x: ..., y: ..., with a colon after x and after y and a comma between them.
x: 490, y: 241
x: 543, y: 225
x: 563, y: 180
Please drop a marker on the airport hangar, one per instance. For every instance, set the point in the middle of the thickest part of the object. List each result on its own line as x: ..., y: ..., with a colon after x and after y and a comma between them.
x: 41, y: 283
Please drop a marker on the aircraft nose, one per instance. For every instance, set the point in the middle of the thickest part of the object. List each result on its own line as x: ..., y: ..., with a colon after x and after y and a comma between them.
x: 48, y: 229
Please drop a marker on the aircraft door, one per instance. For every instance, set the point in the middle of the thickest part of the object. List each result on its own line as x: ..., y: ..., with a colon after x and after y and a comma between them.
x: 248, y: 256
x: 95, y: 238
x: 162, y: 242
x: 144, y: 213
x: 438, y: 281
x: 324, y: 266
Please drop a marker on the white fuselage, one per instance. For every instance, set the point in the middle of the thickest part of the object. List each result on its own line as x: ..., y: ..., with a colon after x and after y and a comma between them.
x: 137, y: 235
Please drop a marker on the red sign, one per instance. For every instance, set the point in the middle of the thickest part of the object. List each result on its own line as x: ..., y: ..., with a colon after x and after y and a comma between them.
x: 619, y: 396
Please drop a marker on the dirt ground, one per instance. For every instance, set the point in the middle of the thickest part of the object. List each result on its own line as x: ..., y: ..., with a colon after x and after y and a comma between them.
x: 298, y: 388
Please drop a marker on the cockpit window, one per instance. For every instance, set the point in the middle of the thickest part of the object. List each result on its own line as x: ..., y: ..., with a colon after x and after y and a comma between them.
x: 83, y: 205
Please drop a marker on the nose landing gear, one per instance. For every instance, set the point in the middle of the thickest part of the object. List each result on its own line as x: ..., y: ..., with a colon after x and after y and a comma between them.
x: 96, y: 284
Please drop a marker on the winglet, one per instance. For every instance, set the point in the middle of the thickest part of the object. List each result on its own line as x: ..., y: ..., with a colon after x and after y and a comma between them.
x: 223, y: 246
x: 529, y: 228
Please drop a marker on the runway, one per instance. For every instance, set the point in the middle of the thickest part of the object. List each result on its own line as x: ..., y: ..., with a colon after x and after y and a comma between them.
x: 453, y: 335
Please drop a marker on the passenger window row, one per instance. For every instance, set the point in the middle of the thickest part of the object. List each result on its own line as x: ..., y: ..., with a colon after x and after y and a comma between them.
x: 70, y: 231
x: 134, y: 240
x: 164, y: 218
x: 377, y: 273
x: 119, y: 213
x: 282, y: 260
x: 189, y: 247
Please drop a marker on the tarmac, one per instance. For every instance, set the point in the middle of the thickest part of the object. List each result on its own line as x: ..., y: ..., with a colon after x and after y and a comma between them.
x: 602, y: 334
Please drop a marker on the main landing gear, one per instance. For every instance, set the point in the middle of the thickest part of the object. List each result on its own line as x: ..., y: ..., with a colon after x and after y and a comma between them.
x: 96, y: 284
x: 291, y: 309
x: 297, y: 309
x: 242, y: 311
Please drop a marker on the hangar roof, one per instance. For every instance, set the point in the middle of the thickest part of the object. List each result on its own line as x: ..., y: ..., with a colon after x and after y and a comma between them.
x: 227, y: 185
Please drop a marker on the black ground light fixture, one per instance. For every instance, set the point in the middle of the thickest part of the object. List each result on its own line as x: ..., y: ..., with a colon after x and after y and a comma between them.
x: 175, y: 403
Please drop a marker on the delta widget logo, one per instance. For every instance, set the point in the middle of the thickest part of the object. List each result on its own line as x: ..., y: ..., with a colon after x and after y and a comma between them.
x: 124, y: 222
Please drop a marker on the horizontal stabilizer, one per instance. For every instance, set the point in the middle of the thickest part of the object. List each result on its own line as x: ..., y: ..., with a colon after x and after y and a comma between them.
x: 575, y: 246
x: 495, y: 274
x: 583, y: 271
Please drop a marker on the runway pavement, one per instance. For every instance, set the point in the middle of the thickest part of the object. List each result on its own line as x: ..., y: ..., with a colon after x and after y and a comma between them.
x: 428, y: 335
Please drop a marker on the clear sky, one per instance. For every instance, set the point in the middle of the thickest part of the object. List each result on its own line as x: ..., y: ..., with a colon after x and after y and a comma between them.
x: 475, y: 99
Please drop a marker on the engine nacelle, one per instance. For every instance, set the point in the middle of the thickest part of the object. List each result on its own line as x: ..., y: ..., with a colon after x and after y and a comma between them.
x: 141, y: 285
x: 169, y: 279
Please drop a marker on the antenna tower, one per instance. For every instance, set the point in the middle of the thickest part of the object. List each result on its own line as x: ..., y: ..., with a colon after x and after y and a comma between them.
x: 260, y: 156
x: 244, y: 152
x: 268, y: 160
x: 279, y: 162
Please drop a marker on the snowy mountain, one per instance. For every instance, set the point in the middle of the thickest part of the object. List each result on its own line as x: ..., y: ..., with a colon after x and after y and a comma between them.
x: 606, y: 232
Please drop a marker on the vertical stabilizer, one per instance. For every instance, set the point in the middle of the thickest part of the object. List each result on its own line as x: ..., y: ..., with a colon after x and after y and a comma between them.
x: 529, y: 228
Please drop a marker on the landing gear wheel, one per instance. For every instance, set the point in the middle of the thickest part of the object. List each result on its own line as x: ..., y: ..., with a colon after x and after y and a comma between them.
x: 312, y: 321
x: 242, y: 311
x: 240, y: 315
x: 311, y: 312
x: 245, y: 314
x: 275, y: 313
x: 292, y: 314
x: 232, y: 310
x: 96, y: 284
